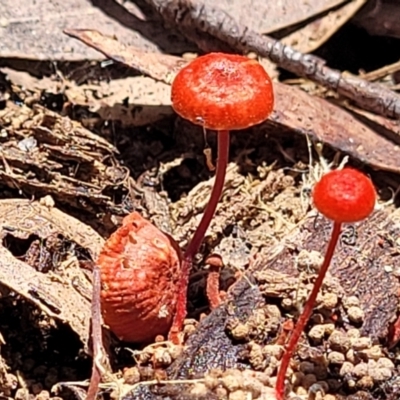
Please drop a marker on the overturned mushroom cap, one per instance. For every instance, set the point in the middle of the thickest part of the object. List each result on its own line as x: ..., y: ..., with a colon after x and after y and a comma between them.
x: 223, y: 92
x: 345, y: 195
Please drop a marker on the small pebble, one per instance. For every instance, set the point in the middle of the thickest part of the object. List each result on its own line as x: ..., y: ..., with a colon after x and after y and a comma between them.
x: 301, y: 391
x: 231, y: 383
x: 131, y: 375
x: 308, y: 380
x: 22, y: 394
x: 287, y: 303
x: 351, y: 301
x: 380, y: 374
x: 319, y: 387
x: 238, y: 395
x: 355, y: 314
x: 221, y: 393
x: 366, y: 382
x: 199, y: 390
x: 297, y: 378
x: 361, y: 343
x: 309, y: 259
x: 273, y: 350
x: 351, y: 356
x: 360, y: 370
x: 329, y: 328
x: 320, y: 371
x: 335, y: 357
x: 374, y: 353
x: 43, y: 395
x: 347, y: 368
x: 353, y: 333
x: 256, y: 357
x: 339, y: 341
x: 211, y: 381
x: 334, y: 384
x: 240, y: 332
x: 317, y: 333
x: 329, y: 301
x: 306, y: 367
x: 385, y: 363
x: 253, y: 386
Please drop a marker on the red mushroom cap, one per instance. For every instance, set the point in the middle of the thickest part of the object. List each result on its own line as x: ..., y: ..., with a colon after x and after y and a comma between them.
x: 345, y: 195
x: 223, y: 92
x: 140, y: 271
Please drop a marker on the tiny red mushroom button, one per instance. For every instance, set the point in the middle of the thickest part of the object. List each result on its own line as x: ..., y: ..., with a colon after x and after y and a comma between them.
x: 344, y: 195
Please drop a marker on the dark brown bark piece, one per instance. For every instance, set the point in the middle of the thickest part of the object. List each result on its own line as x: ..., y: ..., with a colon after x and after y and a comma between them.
x: 360, y: 263
x: 209, y: 347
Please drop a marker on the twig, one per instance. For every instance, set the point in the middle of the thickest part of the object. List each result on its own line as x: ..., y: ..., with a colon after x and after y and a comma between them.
x: 193, y: 18
x: 97, y: 338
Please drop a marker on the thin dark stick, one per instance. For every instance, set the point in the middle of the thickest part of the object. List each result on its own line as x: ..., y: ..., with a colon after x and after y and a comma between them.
x: 97, y: 338
x: 192, y: 18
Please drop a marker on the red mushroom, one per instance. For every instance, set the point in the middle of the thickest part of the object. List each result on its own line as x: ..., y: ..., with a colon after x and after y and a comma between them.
x: 140, y: 270
x: 343, y: 196
x: 222, y: 92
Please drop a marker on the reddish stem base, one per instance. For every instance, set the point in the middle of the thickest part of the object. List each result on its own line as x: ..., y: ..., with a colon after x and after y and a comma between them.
x: 195, y: 243
x: 305, y: 315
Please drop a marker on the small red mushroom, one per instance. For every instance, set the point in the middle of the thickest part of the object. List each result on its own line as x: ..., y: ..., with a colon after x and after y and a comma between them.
x: 343, y: 196
x: 222, y: 92
x: 140, y: 270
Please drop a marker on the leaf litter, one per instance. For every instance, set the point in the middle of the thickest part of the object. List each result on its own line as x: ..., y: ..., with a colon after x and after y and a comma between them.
x: 268, y: 182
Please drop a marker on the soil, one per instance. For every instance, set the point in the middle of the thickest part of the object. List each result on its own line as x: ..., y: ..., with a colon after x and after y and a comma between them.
x: 69, y: 175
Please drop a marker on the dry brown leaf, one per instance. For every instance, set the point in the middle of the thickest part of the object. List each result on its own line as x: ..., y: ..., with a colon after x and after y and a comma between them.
x: 61, y: 293
x: 33, y: 30
x: 317, y: 32
x: 380, y: 17
x: 294, y: 109
x: 49, y: 154
x: 133, y: 101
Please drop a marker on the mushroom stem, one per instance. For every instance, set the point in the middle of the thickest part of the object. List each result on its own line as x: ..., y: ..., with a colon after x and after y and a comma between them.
x: 305, y: 315
x: 222, y: 162
x: 195, y: 243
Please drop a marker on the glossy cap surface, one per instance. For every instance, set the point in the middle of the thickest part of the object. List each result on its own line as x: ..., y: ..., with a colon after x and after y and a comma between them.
x: 223, y: 92
x: 345, y: 195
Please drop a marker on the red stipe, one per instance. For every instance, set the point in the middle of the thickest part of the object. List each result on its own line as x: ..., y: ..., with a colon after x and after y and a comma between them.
x: 195, y: 243
x: 215, y: 265
x: 305, y: 315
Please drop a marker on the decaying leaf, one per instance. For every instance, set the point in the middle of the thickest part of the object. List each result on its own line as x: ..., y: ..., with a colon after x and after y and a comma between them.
x: 161, y: 67
x: 380, y: 17
x: 132, y: 101
x: 34, y: 30
x: 63, y: 292
x: 50, y: 154
x: 317, y: 32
